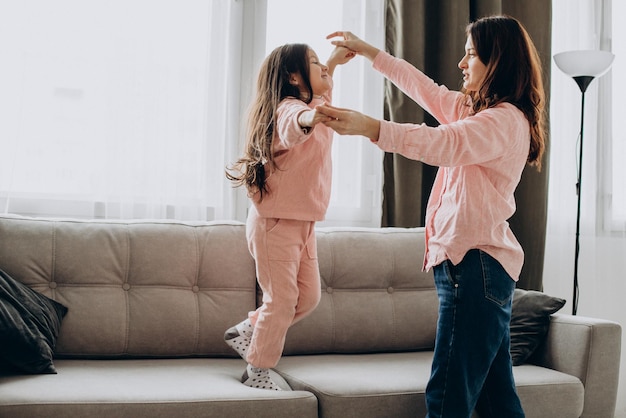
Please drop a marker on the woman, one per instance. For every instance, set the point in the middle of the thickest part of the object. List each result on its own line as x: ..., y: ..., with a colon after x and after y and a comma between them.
x: 487, y: 134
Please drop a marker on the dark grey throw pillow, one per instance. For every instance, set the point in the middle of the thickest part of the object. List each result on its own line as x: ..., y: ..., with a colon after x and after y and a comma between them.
x: 29, y: 327
x: 530, y: 320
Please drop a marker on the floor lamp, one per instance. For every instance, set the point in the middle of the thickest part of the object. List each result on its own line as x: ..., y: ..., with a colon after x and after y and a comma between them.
x: 583, y: 66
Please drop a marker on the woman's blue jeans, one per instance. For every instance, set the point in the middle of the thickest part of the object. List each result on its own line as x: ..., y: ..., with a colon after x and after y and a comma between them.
x: 472, y: 365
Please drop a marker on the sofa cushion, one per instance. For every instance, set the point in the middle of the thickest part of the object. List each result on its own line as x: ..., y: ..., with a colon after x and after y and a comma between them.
x: 149, y: 388
x: 29, y: 326
x: 530, y: 320
x: 136, y: 288
x: 362, y: 385
x: 375, y: 296
x: 372, y: 385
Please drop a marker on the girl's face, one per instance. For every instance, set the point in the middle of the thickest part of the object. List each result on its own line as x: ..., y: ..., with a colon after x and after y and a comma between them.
x: 318, y: 72
x: 474, y: 69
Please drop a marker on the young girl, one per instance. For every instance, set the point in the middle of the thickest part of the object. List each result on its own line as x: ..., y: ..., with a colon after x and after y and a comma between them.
x: 286, y: 168
x: 487, y: 134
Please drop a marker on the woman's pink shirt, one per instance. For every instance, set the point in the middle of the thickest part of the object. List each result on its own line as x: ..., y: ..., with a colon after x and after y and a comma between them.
x: 481, y: 159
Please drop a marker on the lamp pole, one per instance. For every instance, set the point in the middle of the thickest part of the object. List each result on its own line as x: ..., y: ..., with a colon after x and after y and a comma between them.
x: 583, y: 83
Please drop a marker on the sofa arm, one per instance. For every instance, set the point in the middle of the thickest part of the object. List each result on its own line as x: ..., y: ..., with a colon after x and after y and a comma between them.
x: 589, y: 349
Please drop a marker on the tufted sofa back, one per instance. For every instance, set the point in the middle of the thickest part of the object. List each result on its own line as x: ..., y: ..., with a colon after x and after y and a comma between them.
x: 135, y: 288
x: 170, y: 289
x: 375, y: 296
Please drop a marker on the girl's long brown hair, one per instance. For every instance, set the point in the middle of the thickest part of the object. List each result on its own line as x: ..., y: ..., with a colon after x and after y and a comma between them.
x: 272, y: 87
x: 513, y: 75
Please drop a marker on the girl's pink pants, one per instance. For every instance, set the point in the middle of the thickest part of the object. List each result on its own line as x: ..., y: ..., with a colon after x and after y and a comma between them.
x: 287, y: 270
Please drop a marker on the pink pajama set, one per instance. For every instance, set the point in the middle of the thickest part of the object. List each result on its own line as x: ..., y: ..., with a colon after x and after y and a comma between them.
x: 280, y: 230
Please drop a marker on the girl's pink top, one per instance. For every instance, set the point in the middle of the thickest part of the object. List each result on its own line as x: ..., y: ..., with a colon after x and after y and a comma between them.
x: 481, y: 159
x: 299, y: 187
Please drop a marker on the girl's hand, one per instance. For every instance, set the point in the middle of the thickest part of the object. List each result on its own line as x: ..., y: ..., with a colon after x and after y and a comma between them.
x: 354, y: 43
x: 340, y: 55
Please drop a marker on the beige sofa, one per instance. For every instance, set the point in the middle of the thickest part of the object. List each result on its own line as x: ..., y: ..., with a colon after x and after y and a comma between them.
x: 149, y: 303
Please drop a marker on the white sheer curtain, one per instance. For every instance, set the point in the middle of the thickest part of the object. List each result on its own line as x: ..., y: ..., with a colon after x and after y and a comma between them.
x: 133, y: 108
x: 118, y: 109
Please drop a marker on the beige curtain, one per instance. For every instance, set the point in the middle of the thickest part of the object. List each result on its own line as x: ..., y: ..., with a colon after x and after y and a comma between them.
x: 431, y: 35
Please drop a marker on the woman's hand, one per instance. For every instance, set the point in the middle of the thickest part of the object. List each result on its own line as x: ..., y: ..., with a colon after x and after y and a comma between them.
x: 355, y: 44
x: 349, y: 122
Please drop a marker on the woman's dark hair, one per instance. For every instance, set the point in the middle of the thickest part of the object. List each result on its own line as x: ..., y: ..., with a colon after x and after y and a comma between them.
x: 273, y: 85
x: 513, y: 74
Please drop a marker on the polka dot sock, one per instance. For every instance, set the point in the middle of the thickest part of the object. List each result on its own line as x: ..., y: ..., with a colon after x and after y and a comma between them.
x: 238, y: 337
x: 258, y: 378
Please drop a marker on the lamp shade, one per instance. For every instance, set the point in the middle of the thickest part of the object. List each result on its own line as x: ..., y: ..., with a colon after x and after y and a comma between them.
x: 591, y: 63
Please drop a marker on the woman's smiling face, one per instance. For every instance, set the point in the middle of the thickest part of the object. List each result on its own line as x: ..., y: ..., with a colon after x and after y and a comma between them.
x: 473, y: 68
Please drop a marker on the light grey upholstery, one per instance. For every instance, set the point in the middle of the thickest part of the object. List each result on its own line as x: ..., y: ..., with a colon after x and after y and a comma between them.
x: 375, y: 296
x: 135, y: 288
x: 149, y: 303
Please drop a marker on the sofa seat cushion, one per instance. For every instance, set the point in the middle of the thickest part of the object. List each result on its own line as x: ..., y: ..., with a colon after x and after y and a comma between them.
x: 546, y: 392
x: 372, y: 385
x: 362, y: 385
x: 148, y: 388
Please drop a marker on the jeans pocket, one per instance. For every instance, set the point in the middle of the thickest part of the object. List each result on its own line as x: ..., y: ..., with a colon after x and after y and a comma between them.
x: 498, y: 285
x: 447, y: 282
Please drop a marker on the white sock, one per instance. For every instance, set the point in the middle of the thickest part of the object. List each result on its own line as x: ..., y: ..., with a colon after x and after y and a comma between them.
x: 258, y: 378
x: 238, y: 337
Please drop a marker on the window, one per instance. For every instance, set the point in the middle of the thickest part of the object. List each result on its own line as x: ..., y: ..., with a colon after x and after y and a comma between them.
x: 115, y: 109
x: 132, y: 108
